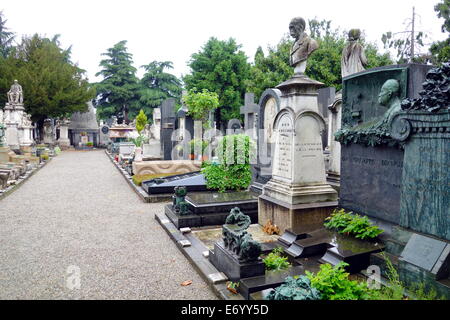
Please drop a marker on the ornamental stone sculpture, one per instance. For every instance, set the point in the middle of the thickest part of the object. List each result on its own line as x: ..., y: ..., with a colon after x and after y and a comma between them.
x: 303, y: 46
x: 15, y: 94
x: 353, y: 57
x: 389, y: 97
x: 237, y: 239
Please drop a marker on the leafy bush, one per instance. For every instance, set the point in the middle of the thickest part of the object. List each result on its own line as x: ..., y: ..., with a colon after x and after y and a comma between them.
x: 200, y: 103
x: 356, y: 225
x: 274, y: 260
x: 139, y: 140
x: 333, y: 284
x: 89, y: 144
x: 295, y: 289
x: 197, y: 143
x: 233, y: 171
x: 44, y: 157
x: 139, y: 178
x: 395, y: 289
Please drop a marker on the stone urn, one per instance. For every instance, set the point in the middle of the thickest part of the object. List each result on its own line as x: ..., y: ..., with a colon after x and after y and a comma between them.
x: 138, y: 154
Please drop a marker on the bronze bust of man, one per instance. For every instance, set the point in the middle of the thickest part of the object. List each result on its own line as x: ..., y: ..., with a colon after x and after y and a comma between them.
x: 302, y: 47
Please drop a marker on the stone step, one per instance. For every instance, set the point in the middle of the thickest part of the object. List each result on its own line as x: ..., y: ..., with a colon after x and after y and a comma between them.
x: 270, y: 280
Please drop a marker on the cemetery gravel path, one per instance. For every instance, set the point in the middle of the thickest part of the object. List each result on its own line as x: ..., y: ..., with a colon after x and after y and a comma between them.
x: 79, y: 212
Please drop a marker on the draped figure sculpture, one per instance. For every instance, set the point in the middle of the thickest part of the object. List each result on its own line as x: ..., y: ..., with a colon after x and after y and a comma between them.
x: 353, y: 57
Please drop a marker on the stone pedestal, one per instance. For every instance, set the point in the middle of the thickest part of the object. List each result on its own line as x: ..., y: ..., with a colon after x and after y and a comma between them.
x: 4, y: 154
x: 64, y: 141
x: 288, y: 216
x: 138, y: 154
x: 298, y: 186
x: 48, y: 132
x: 228, y: 263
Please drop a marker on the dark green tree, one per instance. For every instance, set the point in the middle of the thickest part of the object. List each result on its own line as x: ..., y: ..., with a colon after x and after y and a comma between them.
x: 220, y: 67
x: 119, y: 87
x: 269, y: 71
x: 158, y: 85
x: 6, y: 37
x: 440, y: 50
x: 53, y: 86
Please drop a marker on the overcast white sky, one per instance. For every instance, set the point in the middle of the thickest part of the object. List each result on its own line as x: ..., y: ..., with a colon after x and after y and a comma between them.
x: 174, y: 29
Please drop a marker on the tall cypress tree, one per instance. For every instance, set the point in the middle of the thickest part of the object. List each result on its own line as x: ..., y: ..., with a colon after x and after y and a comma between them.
x: 157, y: 85
x: 6, y: 37
x: 119, y: 87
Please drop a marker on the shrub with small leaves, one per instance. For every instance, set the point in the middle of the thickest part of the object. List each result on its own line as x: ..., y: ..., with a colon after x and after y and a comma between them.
x: 333, y: 284
x: 347, y: 223
x: 275, y: 260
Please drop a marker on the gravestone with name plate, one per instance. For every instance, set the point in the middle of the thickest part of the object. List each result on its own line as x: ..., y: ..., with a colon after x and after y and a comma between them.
x: 168, y: 119
x: 269, y: 105
x: 297, y: 192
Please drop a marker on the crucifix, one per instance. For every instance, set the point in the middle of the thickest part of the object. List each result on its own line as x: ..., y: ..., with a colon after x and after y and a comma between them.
x: 250, y: 111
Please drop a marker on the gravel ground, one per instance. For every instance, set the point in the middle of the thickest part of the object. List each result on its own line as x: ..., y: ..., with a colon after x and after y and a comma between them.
x: 78, y: 214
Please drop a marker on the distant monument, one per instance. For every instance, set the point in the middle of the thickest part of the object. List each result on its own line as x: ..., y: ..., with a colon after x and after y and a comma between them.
x: 353, y: 58
x: 15, y: 94
x: 302, y: 47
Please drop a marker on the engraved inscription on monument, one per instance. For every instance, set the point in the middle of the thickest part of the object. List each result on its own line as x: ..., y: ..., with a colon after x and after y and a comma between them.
x: 309, y: 151
x: 283, y: 149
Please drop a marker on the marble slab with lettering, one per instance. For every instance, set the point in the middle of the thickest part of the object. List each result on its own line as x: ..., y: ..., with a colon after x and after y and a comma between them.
x: 423, y: 251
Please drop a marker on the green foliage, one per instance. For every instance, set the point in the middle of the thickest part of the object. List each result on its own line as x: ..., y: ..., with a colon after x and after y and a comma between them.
x: 141, y: 121
x: 6, y: 37
x: 440, y: 50
x: 139, y: 140
x: 395, y: 289
x: 275, y: 260
x: 158, y: 85
x: 201, y: 103
x: 333, y: 284
x: 220, y: 67
x: 119, y: 86
x: 295, y: 289
x: 348, y: 223
x: 199, y: 144
x: 271, y: 70
x: 45, y: 157
x: 233, y: 171
x: 53, y: 85
x: 401, y: 43
x: 89, y: 144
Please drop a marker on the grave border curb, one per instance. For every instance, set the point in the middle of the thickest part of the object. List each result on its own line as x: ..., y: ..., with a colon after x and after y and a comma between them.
x: 23, y: 180
x: 138, y: 190
x: 219, y: 288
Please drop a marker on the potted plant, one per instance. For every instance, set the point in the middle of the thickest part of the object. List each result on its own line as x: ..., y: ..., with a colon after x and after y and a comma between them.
x: 200, y: 144
x: 141, y: 121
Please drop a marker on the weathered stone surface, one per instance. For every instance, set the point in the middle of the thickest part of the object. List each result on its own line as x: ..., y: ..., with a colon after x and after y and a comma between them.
x: 423, y: 252
x: 425, y: 193
x: 172, y: 166
x: 371, y: 181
